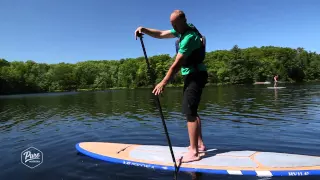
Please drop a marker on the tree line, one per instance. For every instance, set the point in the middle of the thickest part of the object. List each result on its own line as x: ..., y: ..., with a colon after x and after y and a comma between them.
x: 234, y: 66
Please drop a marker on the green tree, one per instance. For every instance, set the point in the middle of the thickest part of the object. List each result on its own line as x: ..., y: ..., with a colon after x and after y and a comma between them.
x: 235, y: 66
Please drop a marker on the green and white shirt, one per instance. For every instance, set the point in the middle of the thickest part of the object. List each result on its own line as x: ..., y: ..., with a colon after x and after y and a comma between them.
x: 189, y: 42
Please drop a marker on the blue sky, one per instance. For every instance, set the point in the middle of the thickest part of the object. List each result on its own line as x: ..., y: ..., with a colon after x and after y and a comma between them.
x: 53, y: 31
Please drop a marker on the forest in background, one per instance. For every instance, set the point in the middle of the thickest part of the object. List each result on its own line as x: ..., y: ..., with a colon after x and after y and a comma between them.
x: 234, y: 66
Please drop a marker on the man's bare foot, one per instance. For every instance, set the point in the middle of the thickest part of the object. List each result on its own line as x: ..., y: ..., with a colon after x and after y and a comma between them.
x: 200, y: 148
x: 200, y: 153
x: 189, y: 157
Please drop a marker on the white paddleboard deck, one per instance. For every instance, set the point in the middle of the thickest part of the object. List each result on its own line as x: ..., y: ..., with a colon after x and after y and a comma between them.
x: 232, y: 162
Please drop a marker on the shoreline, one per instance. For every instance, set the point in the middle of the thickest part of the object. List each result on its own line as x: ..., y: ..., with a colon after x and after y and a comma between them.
x: 147, y: 87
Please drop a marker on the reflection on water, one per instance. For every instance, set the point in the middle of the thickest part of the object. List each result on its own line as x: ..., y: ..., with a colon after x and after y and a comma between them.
x: 233, y: 118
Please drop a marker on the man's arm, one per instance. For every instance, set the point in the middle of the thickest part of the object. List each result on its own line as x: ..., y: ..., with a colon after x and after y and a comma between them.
x: 160, y: 34
x: 174, y: 68
x: 188, y: 44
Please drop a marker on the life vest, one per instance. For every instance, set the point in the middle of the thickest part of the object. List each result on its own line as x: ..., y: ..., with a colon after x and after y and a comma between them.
x: 198, y: 55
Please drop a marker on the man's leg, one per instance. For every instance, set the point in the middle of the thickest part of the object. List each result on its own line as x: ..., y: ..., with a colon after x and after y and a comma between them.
x: 193, y: 130
x: 191, y: 99
x: 201, y: 146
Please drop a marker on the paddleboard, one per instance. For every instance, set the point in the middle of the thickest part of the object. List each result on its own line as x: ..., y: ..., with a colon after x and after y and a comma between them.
x: 262, y: 82
x: 276, y: 87
x: 246, y: 162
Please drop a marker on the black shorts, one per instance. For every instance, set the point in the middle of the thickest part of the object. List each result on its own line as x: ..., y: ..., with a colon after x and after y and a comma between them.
x: 192, y: 90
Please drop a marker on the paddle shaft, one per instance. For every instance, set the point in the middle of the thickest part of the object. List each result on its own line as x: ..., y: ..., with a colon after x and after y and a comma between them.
x: 160, y: 110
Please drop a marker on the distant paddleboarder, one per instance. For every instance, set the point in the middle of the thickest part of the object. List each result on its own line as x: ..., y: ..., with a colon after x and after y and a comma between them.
x: 275, y: 78
x: 189, y: 60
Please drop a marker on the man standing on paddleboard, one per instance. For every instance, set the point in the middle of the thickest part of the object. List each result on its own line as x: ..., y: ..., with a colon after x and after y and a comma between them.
x: 190, y: 56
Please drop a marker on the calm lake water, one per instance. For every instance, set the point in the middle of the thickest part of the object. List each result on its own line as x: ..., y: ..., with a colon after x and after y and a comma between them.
x: 233, y: 118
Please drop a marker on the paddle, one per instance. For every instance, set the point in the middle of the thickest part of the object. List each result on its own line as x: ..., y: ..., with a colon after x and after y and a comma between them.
x: 160, y: 110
